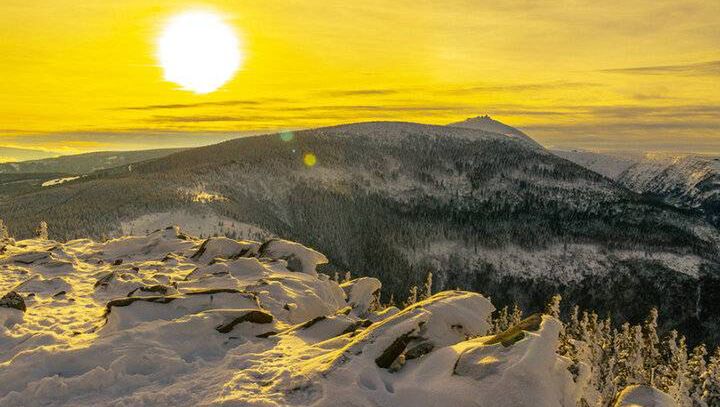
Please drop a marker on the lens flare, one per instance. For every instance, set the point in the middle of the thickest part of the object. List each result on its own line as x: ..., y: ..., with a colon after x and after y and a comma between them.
x: 310, y: 159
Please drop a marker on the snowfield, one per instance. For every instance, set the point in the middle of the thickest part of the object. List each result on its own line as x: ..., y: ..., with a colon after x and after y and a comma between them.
x: 170, y: 320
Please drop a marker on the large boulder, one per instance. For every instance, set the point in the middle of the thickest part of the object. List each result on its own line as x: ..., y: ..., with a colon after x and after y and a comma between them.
x: 362, y: 294
x: 299, y: 258
x: 224, y: 248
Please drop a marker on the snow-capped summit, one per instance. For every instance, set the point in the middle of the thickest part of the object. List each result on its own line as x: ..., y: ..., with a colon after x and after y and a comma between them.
x: 486, y: 123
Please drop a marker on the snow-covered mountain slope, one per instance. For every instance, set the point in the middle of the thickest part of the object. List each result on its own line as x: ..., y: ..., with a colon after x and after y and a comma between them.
x: 609, y: 165
x: 170, y: 320
x: 486, y: 123
x: 687, y: 181
x: 683, y: 180
x: 395, y: 201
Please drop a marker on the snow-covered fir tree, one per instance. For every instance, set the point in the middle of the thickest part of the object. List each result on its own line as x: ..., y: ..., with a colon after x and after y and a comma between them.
x: 629, y: 361
x: 697, y: 374
x: 42, y: 231
x: 4, y: 234
x: 711, y: 393
x: 516, y: 316
x: 553, y: 307
x: 412, y: 297
x: 650, y: 348
x: 427, y: 288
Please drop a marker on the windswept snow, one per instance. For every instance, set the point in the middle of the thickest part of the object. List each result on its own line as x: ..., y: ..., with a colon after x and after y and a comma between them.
x: 167, y: 319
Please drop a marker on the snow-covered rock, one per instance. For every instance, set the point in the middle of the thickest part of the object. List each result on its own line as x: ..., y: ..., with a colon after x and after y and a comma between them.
x: 222, y: 247
x: 299, y: 258
x: 40, y: 285
x: 643, y: 396
x: 362, y: 294
x: 147, y: 321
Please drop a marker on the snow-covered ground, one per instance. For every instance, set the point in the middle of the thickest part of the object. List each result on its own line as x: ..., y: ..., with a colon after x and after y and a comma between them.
x: 198, y: 223
x: 58, y: 181
x: 170, y: 320
x: 682, y: 179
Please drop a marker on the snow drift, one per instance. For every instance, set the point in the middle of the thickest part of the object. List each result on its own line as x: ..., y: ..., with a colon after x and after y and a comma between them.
x: 168, y: 319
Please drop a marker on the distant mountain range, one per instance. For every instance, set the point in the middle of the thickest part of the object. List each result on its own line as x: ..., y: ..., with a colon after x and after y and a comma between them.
x: 83, y: 163
x: 12, y: 154
x: 687, y: 181
x: 480, y: 209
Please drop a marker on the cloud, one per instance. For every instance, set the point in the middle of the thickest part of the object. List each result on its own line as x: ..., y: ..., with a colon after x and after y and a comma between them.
x: 203, y: 104
x: 522, y: 87
x: 346, y: 113
x: 711, y: 68
x: 361, y: 92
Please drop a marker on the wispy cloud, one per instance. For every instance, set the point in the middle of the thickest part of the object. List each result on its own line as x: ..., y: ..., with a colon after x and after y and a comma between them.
x: 361, y: 92
x: 522, y: 87
x: 711, y: 68
x: 346, y: 113
x: 204, y: 104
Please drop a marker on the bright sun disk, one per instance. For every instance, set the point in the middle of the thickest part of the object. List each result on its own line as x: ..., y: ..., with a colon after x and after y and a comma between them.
x: 199, y: 51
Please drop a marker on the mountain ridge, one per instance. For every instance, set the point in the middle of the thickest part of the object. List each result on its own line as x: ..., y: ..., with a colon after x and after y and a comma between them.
x: 478, y: 209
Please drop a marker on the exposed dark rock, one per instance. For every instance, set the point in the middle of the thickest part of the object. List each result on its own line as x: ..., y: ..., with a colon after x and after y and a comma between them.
x: 104, y: 280
x: 158, y: 288
x: 395, y: 349
x: 124, y: 302
x: 363, y: 323
x: 253, y: 316
x: 13, y: 300
x: 419, y: 350
x: 201, y: 250
x: 308, y: 324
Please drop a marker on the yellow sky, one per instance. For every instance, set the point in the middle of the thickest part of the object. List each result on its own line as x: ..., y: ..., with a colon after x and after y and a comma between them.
x: 78, y: 75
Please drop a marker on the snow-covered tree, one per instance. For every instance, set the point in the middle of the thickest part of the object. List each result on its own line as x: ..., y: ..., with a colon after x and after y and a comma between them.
x: 697, y: 367
x: 427, y: 289
x: 672, y: 374
x: 573, y: 326
x: 630, y: 364
x: 553, y: 307
x: 650, y: 348
x: 516, y: 316
x: 712, y: 380
x: 502, y: 322
x: 412, y: 297
x: 42, y: 231
x: 4, y: 234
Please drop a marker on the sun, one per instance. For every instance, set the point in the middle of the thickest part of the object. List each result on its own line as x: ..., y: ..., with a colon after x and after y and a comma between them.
x: 199, y: 51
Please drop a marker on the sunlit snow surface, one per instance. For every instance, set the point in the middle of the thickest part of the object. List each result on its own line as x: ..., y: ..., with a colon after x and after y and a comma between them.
x: 170, y: 320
